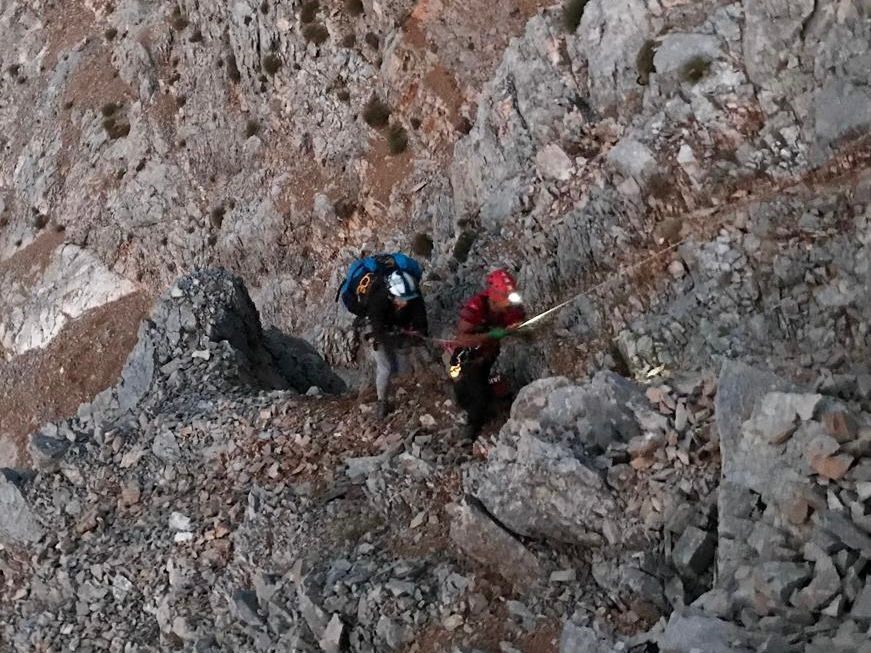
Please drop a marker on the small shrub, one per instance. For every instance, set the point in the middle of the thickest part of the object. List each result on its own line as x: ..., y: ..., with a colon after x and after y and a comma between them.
x: 422, y: 245
x: 397, y: 139
x: 464, y: 245
x: 271, y: 64
x: 694, y: 70
x: 344, y: 95
x: 309, y: 11
x: 180, y: 101
x: 349, y: 41
x: 372, y: 40
x: 463, y: 125
x: 141, y: 165
x: 110, y: 34
x: 344, y: 209
x: 109, y: 109
x: 14, y: 70
x: 179, y: 23
x: 264, y: 7
x: 315, y: 33
x: 376, y: 113
x: 644, y: 62
x: 354, y: 7
x: 251, y: 128
x: 573, y: 11
x: 415, y: 123
x: 232, y: 69
x: 216, y: 216
x: 39, y: 221
x: 68, y: 105
x: 115, y: 129
x: 196, y: 37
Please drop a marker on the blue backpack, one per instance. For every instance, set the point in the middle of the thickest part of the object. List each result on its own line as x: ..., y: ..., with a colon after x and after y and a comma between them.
x: 363, y: 272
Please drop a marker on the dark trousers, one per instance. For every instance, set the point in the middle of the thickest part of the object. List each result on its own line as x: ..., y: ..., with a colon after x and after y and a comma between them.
x: 472, y: 391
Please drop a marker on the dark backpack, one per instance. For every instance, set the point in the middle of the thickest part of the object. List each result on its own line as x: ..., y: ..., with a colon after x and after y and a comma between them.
x: 364, y: 272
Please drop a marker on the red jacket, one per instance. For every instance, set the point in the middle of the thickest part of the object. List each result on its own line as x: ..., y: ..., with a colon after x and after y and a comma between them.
x: 477, y: 316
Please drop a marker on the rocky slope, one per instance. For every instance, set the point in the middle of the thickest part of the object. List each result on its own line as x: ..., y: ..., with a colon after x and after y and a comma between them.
x: 202, y: 503
x: 688, y: 468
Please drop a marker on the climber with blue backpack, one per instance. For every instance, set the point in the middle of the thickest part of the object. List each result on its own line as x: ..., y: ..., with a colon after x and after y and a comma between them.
x: 383, y: 291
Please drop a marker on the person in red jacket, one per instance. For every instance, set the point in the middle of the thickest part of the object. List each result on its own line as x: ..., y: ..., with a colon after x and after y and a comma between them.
x: 485, y: 319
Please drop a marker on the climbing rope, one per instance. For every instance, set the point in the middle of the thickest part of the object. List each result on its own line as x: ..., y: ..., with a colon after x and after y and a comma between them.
x: 629, y: 269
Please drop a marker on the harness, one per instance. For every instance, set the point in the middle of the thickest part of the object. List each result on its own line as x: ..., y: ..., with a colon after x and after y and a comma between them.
x: 462, y: 356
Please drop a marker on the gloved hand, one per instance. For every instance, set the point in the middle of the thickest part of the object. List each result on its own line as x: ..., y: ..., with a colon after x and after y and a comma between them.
x: 498, y: 333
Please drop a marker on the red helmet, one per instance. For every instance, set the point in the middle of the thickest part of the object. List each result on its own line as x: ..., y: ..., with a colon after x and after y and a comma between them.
x: 500, y: 282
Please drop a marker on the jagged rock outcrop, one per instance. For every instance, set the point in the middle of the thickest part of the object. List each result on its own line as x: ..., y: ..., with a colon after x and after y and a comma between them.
x: 542, y: 479
x: 206, y: 331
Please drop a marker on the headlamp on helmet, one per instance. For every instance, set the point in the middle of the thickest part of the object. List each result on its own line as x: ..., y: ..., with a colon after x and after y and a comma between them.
x: 402, y: 286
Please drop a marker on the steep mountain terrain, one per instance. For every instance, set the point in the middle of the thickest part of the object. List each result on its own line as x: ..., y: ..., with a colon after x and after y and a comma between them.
x: 686, y: 467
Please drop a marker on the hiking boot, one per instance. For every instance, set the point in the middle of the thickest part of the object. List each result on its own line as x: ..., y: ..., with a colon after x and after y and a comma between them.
x: 382, y: 409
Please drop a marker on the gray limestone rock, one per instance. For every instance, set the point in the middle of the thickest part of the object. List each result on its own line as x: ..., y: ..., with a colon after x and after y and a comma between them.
x: 677, y: 50
x: 18, y: 523
x: 841, y: 109
x: 688, y: 632
x: 610, y: 36
x: 539, y: 481
x: 583, y: 639
x: 862, y: 605
x: 694, y: 552
x: 46, y: 452
x: 634, y: 160
x: 480, y: 538
x: 825, y: 584
x: 246, y: 607
x: 773, y: 27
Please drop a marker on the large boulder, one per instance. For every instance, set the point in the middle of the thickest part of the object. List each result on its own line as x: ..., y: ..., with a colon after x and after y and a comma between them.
x: 687, y: 632
x: 483, y: 540
x: 18, y: 524
x: 541, y: 479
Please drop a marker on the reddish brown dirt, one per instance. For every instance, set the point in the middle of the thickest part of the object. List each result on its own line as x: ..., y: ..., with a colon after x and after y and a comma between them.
x: 86, y: 357
x: 386, y: 170
x: 28, y: 263
x: 490, y: 631
x: 445, y: 86
x: 96, y: 82
x: 67, y: 23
